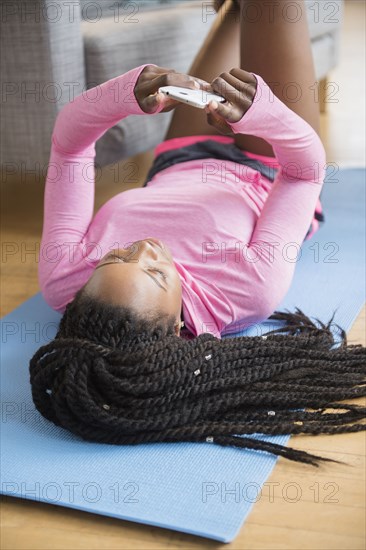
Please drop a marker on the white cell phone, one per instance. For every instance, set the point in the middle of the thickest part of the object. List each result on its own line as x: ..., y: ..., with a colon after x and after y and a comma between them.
x: 196, y: 98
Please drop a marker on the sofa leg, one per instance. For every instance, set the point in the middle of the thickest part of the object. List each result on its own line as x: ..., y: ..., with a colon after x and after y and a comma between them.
x: 323, y: 94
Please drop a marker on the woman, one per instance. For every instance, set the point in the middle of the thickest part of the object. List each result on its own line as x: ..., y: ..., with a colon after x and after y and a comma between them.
x: 202, y: 243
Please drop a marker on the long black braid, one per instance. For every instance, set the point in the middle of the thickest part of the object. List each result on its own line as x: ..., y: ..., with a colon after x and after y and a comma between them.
x: 111, y: 377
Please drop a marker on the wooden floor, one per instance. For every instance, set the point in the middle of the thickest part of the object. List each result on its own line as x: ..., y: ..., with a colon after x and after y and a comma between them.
x: 330, y: 513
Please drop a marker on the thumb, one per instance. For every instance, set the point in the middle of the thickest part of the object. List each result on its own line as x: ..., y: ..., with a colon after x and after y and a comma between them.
x: 154, y: 103
x: 217, y: 122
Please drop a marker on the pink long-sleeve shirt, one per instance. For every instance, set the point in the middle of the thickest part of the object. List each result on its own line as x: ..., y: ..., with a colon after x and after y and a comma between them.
x: 232, y: 232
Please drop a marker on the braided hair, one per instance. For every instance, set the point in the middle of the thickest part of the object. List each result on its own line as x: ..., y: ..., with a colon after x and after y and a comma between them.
x: 112, y: 377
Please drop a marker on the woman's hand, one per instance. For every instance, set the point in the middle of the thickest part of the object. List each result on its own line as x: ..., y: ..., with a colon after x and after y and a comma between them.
x: 152, y: 78
x: 238, y: 87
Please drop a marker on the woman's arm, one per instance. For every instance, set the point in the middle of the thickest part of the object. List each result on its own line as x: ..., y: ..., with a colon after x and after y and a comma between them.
x: 253, y: 109
x: 69, y: 189
x: 289, y: 208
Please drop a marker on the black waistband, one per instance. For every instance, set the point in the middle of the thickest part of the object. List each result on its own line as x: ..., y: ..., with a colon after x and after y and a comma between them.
x: 208, y: 149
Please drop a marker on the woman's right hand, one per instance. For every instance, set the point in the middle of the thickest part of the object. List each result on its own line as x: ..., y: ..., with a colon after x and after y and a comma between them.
x: 238, y: 87
x: 153, y: 77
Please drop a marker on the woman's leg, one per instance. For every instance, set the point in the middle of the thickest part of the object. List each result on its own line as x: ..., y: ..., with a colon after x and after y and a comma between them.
x: 275, y: 44
x: 273, y: 40
x: 219, y: 53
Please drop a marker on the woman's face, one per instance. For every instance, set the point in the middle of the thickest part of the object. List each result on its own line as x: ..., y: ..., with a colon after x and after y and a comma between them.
x: 142, y: 277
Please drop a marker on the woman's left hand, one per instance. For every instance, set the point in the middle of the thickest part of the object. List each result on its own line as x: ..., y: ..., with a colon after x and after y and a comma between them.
x: 153, y: 77
x: 238, y: 87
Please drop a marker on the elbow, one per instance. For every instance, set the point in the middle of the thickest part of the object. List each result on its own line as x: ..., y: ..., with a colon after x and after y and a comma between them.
x: 51, y: 295
x: 53, y: 286
x: 268, y: 309
x: 308, y: 162
x: 318, y: 160
x: 322, y: 157
x: 271, y: 295
x: 59, y: 287
x: 61, y: 117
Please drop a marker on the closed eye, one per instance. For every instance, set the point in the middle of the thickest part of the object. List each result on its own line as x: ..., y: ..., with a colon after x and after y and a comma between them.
x: 151, y: 268
x: 115, y: 256
x: 159, y: 271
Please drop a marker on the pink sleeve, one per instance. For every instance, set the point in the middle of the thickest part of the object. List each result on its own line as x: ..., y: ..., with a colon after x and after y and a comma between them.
x: 289, y: 207
x: 69, y: 189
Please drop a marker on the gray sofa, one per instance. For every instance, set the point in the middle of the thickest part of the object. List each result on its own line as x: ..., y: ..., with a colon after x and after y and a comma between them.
x: 53, y: 50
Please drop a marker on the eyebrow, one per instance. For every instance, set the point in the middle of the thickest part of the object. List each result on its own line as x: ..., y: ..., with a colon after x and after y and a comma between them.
x: 144, y: 270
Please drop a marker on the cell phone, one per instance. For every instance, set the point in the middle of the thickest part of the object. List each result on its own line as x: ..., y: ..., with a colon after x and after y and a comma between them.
x: 196, y: 98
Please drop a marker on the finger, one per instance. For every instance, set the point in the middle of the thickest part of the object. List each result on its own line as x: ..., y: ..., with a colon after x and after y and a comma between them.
x: 203, y: 84
x: 170, y: 79
x: 153, y: 69
x: 164, y: 70
x: 248, y: 89
x: 159, y: 102
x: 240, y: 100
x: 226, y: 110
x: 222, y: 109
x: 244, y: 76
x: 154, y: 101
x: 168, y: 108
x: 219, y: 124
x: 224, y: 88
x: 214, y: 117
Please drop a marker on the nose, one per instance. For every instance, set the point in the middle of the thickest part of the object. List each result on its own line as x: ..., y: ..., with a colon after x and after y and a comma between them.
x: 145, y: 249
x: 151, y: 251
x: 148, y: 250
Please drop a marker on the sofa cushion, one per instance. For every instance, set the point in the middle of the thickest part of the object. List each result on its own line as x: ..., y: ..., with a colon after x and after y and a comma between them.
x: 93, y: 10
x: 169, y: 37
x: 325, y: 53
x: 323, y: 17
x: 113, y: 48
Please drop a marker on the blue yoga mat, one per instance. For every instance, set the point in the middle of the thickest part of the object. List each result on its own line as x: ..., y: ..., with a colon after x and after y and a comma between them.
x: 197, y: 488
